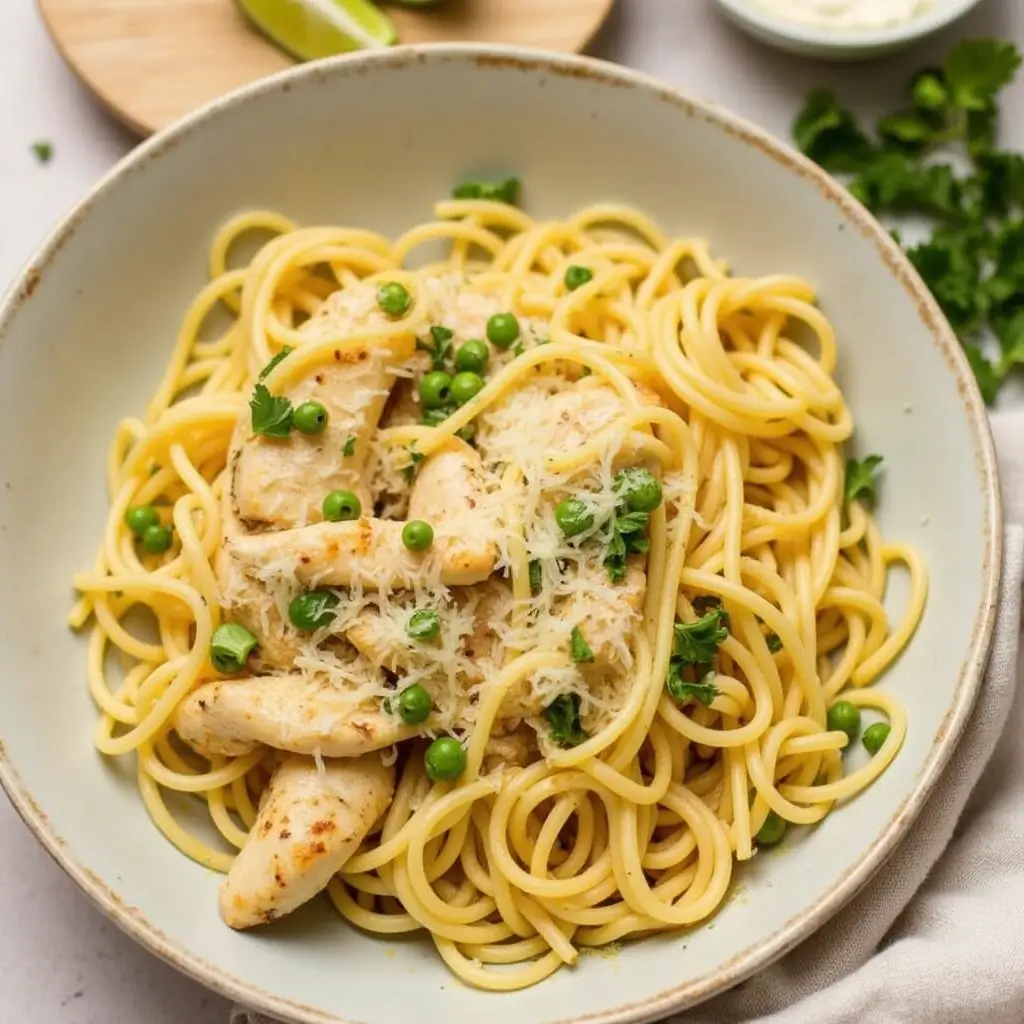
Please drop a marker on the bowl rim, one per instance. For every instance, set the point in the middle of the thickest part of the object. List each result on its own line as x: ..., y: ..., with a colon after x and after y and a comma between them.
x: 837, y: 38
x: 801, y: 924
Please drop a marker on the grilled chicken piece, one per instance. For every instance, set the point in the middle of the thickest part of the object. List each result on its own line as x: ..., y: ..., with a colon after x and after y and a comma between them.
x: 515, y: 749
x: 449, y: 493
x: 310, y: 824
x: 380, y: 644
x: 251, y: 604
x: 281, y: 482
x: 608, y: 613
x: 286, y: 712
x: 581, y: 411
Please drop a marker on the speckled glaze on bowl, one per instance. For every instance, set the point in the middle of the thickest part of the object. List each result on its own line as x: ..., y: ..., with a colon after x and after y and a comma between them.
x: 373, y: 140
x: 841, y: 43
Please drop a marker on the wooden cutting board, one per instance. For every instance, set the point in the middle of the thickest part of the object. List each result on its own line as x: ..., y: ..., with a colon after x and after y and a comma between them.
x: 153, y: 61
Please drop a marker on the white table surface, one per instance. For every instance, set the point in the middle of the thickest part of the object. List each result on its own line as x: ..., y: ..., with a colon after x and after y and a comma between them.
x: 60, y: 961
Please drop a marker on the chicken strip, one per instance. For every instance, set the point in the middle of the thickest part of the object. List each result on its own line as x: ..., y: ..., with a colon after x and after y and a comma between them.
x: 606, y: 613
x: 312, y: 821
x: 281, y: 482
x: 579, y: 412
x: 287, y: 712
x: 515, y: 749
x: 450, y: 494
x: 251, y: 604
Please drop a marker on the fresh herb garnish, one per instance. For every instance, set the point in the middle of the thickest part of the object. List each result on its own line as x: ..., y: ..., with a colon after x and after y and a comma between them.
x: 439, y: 346
x: 415, y: 458
x: 696, y: 643
x: 690, y: 669
x: 272, y: 415
x: 627, y: 538
x: 579, y: 649
x: 860, y: 480
x: 682, y: 690
x: 563, y: 715
x: 348, y: 449
x: 536, y: 576
x: 265, y: 372
x: 42, y: 151
x: 774, y: 643
x: 506, y: 191
x: 973, y: 262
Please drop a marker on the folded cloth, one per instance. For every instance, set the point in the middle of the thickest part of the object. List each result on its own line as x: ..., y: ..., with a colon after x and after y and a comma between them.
x: 938, y: 936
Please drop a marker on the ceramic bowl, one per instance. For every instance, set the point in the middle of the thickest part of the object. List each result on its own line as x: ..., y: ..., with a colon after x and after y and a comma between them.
x: 841, y: 43
x: 373, y: 140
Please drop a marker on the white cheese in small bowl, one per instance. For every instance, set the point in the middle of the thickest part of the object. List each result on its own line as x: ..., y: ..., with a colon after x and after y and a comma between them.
x: 848, y: 13
x: 843, y: 29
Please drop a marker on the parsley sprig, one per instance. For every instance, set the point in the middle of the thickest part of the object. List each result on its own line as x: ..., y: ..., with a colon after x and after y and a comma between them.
x: 628, y: 537
x: 272, y: 415
x: 859, y: 483
x: 691, y: 667
x: 973, y: 262
x: 439, y: 346
x: 563, y: 715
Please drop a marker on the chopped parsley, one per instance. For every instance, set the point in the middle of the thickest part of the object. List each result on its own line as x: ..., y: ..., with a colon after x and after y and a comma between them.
x: 265, y: 372
x: 627, y: 538
x: 696, y: 643
x: 682, y: 691
x: 563, y: 715
x: 42, y: 151
x: 860, y: 480
x: 690, y: 669
x: 439, y: 346
x: 415, y: 458
x: 272, y: 415
x: 579, y: 649
x: 348, y: 449
x: 536, y: 576
x: 774, y: 643
x: 973, y: 260
x: 506, y: 191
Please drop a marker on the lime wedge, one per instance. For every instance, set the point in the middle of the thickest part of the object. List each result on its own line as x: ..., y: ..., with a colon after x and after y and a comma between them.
x: 309, y: 29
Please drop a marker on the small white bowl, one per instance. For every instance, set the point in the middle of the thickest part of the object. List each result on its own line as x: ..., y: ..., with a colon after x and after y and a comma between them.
x: 839, y: 43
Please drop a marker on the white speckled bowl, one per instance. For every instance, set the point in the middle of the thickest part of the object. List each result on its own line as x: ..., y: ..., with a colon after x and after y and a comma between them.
x: 841, y: 43
x: 373, y: 140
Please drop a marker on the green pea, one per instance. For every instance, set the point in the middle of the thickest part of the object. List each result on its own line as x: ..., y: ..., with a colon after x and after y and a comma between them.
x: 417, y: 535
x: 573, y: 516
x: 502, y: 329
x: 156, y: 539
x: 341, y: 506
x: 424, y: 624
x: 435, y: 417
x: 311, y: 418
x: 640, y: 489
x: 141, y: 518
x: 576, y: 277
x: 772, y: 831
x: 445, y: 759
x: 467, y: 433
x: 875, y: 736
x: 844, y: 717
x: 231, y: 646
x: 313, y: 610
x: 414, y: 705
x: 472, y: 357
x: 465, y: 386
x: 435, y: 389
x: 393, y: 299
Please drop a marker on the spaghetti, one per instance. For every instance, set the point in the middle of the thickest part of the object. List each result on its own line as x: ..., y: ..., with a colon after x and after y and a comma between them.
x: 650, y: 701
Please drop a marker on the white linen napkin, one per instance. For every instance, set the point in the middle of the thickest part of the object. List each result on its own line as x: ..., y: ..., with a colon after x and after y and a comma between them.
x: 938, y: 935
